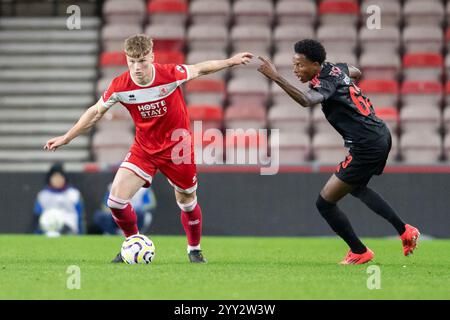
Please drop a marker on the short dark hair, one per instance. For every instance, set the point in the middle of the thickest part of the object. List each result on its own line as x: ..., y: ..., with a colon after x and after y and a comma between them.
x: 312, y: 49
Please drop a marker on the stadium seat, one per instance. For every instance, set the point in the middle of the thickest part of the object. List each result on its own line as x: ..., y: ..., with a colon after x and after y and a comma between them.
x: 419, y: 147
x: 246, y: 147
x: 293, y: 148
x: 118, y: 11
x: 335, y: 12
x: 296, y: 13
x: 381, y: 93
x: 48, y: 61
x: 423, y: 66
x: 166, y: 37
x: 446, y: 146
x: 285, y: 36
x: 114, y: 35
x: 376, y: 65
x: 211, y: 116
x: 252, y: 38
x: 242, y: 116
x: 283, y: 61
x: 244, y: 92
x: 48, y: 48
x: 111, y: 147
x: 342, y: 57
x: 427, y: 94
x: 279, y: 96
x: 205, y: 91
x: 390, y: 116
x: 194, y: 57
x: 446, y: 119
x: 167, y: 12
x: 391, y: 12
x: 48, y: 36
x: 51, y: 87
x: 423, y: 39
x: 384, y: 40
x: 289, y: 118
x: 207, y: 37
x: 53, y: 74
x: 338, y: 38
x: 328, y: 148
x: 210, y: 12
x: 420, y: 119
x: 423, y: 13
x: 251, y: 12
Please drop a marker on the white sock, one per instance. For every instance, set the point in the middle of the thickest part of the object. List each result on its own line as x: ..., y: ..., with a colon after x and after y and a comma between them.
x: 190, y: 248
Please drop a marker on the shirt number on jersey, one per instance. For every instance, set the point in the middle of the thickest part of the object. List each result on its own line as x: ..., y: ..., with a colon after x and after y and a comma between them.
x: 363, y: 104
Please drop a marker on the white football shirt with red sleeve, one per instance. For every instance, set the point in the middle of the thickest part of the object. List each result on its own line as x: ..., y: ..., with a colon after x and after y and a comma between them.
x: 157, y: 109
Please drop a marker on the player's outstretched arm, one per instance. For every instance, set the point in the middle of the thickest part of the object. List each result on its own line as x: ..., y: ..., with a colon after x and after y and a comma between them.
x: 207, y: 67
x: 86, y: 121
x: 305, y: 99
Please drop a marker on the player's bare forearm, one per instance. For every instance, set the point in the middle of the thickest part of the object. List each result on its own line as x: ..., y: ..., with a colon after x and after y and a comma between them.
x: 212, y: 66
x: 86, y: 122
x: 207, y: 67
x: 305, y: 99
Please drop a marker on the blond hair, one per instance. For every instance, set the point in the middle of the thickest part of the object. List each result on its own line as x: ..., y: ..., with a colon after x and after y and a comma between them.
x: 138, y: 46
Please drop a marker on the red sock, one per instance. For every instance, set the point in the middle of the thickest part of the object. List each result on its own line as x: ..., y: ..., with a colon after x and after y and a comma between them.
x: 126, y: 219
x: 192, y: 224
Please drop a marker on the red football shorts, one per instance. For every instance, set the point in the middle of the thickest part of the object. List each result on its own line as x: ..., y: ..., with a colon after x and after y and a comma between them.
x: 183, y: 176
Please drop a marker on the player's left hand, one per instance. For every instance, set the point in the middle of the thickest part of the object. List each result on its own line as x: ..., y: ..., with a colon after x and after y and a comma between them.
x: 267, y: 68
x: 241, y: 58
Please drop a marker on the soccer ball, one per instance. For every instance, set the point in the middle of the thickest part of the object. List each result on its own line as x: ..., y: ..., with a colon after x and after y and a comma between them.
x: 138, y: 249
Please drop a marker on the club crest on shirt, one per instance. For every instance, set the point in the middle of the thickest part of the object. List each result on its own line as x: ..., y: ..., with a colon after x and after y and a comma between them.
x: 335, y: 71
x: 180, y: 68
x: 163, y: 91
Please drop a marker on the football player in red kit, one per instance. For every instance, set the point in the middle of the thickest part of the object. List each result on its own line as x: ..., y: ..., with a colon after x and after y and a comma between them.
x: 152, y: 94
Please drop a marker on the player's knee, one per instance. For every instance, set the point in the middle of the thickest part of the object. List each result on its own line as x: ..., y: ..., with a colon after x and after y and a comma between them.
x: 187, y: 204
x: 116, y: 202
x: 324, y: 206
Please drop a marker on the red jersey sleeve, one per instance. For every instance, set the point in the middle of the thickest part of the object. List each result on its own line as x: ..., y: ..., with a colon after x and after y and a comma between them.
x: 109, y: 97
x: 177, y: 72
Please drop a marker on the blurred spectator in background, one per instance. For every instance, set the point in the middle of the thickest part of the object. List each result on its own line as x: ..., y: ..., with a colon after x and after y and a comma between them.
x: 144, y: 202
x: 59, y: 206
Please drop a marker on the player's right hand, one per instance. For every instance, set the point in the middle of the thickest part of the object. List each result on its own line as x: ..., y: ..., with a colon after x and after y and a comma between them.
x: 55, y: 142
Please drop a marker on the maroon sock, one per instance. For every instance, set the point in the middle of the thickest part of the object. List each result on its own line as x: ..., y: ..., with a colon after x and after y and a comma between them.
x: 192, y: 224
x: 126, y: 220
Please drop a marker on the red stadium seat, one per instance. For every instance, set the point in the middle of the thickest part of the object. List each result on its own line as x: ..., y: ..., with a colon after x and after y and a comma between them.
x: 245, y: 117
x: 211, y: 116
x: 380, y: 92
x: 168, y: 12
x: 113, y: 59
x: 118, y: 58
x: 389, y: 115
x: 423, y: 66
x: 422, y: 93
x: 338, y: 12
x: 168, y: 57
x: 167, y: 6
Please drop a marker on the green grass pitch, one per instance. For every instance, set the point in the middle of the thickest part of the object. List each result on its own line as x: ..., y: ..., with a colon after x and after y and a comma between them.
x: 35, y: 267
